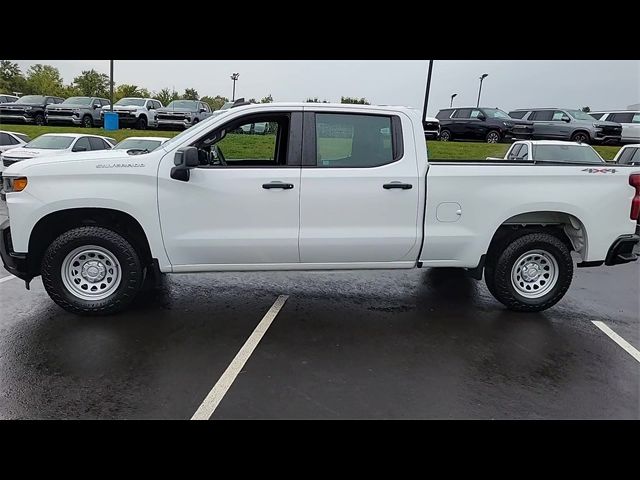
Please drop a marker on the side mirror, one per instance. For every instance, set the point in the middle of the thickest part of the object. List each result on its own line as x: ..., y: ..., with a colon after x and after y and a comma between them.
x: 482, y: 117
x: 80, y: 148
x: 96, y: 105
x: 566, y: 119
x: 185, y: 159
x: 149, y: 107
x: 202, y: 110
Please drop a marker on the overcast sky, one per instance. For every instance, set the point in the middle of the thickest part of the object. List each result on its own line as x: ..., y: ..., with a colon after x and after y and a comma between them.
x: 510, y: 84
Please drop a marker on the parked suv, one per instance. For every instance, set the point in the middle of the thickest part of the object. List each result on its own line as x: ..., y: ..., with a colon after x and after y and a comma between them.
x: 479, y: 123
x: 431, y: 127
x: 182, y: 113
x: 4, y: 98
x: 27, y: 109
x: 567, y: 124
x: 629, y: 119
x: 83, y: 111
x: 136, y: 112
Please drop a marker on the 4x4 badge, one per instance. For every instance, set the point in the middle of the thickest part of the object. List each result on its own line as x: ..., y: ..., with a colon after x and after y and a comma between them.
x: 599, y: 170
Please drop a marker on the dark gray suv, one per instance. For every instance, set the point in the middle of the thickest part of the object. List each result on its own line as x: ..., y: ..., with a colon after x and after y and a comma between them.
x: 568, y: 124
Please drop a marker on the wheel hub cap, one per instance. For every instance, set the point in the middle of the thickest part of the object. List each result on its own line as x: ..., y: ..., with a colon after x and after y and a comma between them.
x: 534, y: 274
x: 91, y: 272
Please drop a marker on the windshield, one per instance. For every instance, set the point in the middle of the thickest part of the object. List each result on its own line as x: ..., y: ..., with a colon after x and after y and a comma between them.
x: 50, y: 142
x: 566, y: 153
x: 138, y: 102
x: 183, y: 104
x: 138, y: 144
x: 78, y: 100
x: 496, y: 113
x: 580, y: 115
x: 185, y: 133
x: 31, y: 99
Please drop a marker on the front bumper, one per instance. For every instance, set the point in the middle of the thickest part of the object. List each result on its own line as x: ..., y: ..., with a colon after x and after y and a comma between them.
x: 174, y: 123
x: 625, y: 249
x: 14, y: 263
x: 68, y: 119
x: 599, y: 137
x: 16, y: 118
x: 431, y: 134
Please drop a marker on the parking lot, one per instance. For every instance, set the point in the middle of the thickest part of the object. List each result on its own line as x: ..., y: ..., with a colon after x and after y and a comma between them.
x: 374, y: 344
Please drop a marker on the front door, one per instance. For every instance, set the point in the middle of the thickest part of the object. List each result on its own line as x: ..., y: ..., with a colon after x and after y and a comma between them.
x: 240, y: 208
x: 359, y: 189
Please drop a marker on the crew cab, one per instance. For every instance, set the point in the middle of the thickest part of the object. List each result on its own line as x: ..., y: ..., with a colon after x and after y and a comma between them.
x: 479, y: 123
x: 182, y: 113
x: 333, y: 187
x: 27, y: 109
x: 551, y: 151
x: 85, y: 111
x: 136, y: 112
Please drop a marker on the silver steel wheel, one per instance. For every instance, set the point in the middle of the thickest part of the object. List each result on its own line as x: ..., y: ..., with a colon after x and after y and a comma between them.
x: 91, y: 272
x: 493, y: 137
x: 534, y: 274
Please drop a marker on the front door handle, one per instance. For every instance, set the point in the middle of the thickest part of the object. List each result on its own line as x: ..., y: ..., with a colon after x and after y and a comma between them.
x: 402, y: 186
x: 283, y: 186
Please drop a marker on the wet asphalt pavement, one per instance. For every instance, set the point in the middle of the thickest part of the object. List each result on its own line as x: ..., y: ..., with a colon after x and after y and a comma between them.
x: 376, y: 344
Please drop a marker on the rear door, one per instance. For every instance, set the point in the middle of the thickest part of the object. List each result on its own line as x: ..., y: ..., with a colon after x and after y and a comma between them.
x: 359, y: 191
x: 543, y: 127
x: 459, y: 122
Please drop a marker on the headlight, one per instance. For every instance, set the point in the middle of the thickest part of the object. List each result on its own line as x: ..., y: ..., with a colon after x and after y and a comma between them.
x: 28, y: 108
x: 507, y: 124
x: 76, y: 110
x: 14, y: 184
x: 597, y: 126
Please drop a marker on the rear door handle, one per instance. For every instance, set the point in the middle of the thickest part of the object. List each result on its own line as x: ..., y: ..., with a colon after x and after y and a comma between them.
x: 402, y: 186
x: 283, y: 186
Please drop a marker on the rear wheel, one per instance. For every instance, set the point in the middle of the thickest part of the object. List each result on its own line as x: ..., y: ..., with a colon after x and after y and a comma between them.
x: 91, y: 271
x: 445, y: 135
x: 532, y: 273
x: 87, y: 121
x: 493, y: 136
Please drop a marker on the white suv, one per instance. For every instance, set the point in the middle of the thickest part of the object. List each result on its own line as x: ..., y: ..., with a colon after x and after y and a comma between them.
x: 629, y: 119
x: 136, y: 112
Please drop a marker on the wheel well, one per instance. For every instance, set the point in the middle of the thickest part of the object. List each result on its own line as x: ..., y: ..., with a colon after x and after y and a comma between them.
x: 53, y: 225
x: 566, y: 227
x: 142, y: 115
x: 580, y: 130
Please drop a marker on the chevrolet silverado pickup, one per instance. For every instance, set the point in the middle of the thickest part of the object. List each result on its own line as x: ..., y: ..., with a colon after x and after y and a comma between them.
x: 331, y: 187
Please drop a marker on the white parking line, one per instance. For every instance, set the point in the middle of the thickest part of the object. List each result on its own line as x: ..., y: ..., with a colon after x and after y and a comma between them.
x: 630, y: 349
x: 6, y: 279
x: 219, y: 390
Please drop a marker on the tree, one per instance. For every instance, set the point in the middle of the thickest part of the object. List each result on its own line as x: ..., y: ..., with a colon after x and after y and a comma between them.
x: 11, y: 78
x: 359, y: 101
x: 267, y: 99
x: 126, y: 90
x: 216, y: 102
x: 586, y: 109
x: 92, y: 84
x: 315, y: 100
x: 166, y: 96
x: 191, y: 94
x: 43, y: 80
x: 253, y: 100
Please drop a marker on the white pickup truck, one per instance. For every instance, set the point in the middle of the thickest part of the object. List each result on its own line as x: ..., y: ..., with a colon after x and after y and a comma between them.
x: 332, y: 187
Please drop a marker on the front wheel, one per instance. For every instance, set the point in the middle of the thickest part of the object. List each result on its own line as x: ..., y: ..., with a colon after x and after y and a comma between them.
x: 493, y: 136
x: 141, y: 123
x: 580, y: 137
x: 87, y: 121
x: 91, y: 271
x: 532, y: 273
x: 39, y: 119
x: 445, y: 135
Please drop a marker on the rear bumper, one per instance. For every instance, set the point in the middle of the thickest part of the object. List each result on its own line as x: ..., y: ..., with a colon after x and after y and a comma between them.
x: 15, y: 263
x: 625, y: 249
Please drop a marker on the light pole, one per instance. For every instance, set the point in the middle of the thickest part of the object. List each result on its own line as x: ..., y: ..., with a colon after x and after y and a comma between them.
x: 482, y: 77
x: 234, y: 77
x: 452, y: 97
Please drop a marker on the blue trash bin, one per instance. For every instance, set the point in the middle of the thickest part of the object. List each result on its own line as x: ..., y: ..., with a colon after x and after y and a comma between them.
x: 111, y: 121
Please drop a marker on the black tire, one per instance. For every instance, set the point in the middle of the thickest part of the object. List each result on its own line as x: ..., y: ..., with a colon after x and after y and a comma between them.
x: 39, y: 119
x: 195, y: 120
x: 498, y: 272
x: 124, y: 252
x: 445, y: 135
x: 581, y: 137
x: 493, y: 136
x: 87, y: 121
x: 141, y: 123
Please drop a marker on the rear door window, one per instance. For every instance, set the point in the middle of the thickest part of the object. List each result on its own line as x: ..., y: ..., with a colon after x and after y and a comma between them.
x: 622, y: 117
x: 541, y: 115
x: 97, y: 143
x: 82, y: 145
x: 462, y: 113
x: 628, y: 154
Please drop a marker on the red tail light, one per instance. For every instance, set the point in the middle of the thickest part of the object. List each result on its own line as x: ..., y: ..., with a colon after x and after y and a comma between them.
x: 634, y: 181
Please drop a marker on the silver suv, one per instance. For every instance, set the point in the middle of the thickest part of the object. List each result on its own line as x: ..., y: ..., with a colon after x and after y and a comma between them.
x: 83, y: 111
x: 182, y: 113
x: 568, y: 124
